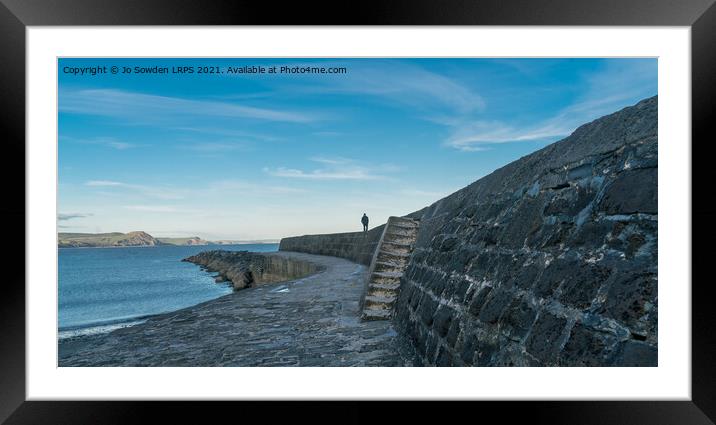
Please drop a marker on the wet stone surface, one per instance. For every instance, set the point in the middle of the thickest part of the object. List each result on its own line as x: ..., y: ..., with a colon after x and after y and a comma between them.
x: 307, y: 322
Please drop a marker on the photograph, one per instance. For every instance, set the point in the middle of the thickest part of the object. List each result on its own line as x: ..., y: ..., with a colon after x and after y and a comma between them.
x: 357, y: 212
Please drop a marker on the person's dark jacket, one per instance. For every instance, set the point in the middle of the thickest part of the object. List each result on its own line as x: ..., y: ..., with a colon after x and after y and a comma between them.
x: 364, y: 220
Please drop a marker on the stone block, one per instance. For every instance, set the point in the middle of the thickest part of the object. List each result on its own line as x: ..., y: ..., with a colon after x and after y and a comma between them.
x: 527, y: 276
x: 631, y: 297
x: 469, y: 346
x: 633, y: 191
x: 518, y: 318
x: 444, y: 357
x: 588, y: 347
x: 485, y: 351
x: 448, y: 244
x: 478, y: 300
x: 581, y: 286
x: 454, y: 331
x: 554, y: 274
x: 461, y: 285
x: 427, y: 310
x: 431, y: 348
x: 592, y: 234
x: 442, y: 320
x: 526, y: 220
x: 637, y: 353
x: 495, y: 305
x: 546, y: 336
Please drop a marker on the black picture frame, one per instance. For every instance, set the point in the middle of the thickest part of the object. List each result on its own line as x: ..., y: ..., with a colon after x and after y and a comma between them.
x: 16, y: 15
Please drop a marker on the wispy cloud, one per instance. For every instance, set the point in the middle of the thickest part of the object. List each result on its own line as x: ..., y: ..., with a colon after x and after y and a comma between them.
x: 109, y: 142
x: 230, y: 133
x: 167, y: 193
x: 612, y: 88
x: 333, y: 169
x: 65, y: 217
x: 400, y: 83
x: 148, y: 107
x: 245, y: 187
x: 106, y: 183
x: 152, y: 208
x: 216, y: 147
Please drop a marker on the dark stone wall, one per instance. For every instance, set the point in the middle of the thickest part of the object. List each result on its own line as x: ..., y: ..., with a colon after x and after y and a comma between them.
x: 245, y: 269
x: 548, y: 261
x: 355, y: 246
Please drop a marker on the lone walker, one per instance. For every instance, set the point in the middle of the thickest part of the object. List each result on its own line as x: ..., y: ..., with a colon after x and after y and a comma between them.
x: 364, y: 220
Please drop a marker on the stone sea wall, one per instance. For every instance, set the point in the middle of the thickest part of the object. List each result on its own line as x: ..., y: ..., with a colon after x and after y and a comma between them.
x: 355, y: 246
x: 246, y: 269
x: 548, y: 261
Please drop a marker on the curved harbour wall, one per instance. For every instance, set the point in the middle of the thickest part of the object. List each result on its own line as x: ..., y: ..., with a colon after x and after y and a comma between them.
x: 355, y: 246
x: 550, y: 260
x: 246, y: 269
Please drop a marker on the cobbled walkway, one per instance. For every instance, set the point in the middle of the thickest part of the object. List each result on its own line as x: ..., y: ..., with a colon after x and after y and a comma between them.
x: 312, y: 321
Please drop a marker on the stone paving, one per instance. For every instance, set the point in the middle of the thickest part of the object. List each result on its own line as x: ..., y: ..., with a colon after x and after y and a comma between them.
x: 312, y: 321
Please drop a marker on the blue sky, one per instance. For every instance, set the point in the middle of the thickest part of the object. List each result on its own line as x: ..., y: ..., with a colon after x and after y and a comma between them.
x: 247, y: 156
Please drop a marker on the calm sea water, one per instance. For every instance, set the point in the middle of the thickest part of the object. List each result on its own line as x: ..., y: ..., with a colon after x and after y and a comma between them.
x: 101, y: 289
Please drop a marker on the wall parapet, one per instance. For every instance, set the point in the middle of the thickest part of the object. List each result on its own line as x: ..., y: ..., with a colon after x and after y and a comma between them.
x: 355, y: 246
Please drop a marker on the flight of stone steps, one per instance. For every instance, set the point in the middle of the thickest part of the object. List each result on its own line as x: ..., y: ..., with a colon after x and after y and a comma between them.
x: 387, y: 267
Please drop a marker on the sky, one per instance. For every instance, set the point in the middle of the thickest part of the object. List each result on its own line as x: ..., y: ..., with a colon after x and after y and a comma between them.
x: 247, y: 156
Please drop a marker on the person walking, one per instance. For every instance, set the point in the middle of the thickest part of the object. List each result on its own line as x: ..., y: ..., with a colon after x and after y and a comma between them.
x: 364, y: 220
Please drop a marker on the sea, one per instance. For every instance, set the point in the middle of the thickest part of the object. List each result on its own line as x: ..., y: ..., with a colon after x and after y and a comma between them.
x: 103, y: 289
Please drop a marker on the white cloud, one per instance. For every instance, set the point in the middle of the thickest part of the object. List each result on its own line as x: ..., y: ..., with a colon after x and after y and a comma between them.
x: 105, y: 183
x: 152, y: 208
x: 70, y: 216
x: 110, y: 142
x: 230, y: 133
x: 166, y: 193
x: 399, y: 82
x: 147, y: 107
x: 244, y: 187
x: 216, y: 147
x: 337, y: 168
x: 619, y: 84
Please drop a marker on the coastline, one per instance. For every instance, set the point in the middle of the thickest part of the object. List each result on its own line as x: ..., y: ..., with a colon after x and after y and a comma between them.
x: 237, y: 269
x: 165, y: 245
x: 310, y: 321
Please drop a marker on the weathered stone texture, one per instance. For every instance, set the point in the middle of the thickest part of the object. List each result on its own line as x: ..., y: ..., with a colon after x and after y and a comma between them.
x: 548, y: 261
x: 245, y: 269
x: 355, y: 246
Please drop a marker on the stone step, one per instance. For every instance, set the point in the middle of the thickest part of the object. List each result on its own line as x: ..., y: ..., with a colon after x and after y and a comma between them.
x: 397, y: 247
x: 399, y: 240
x: 390, y: 255
x: 387, y: 267
x: 376, y: 314
x: 381, y: 293
x: 388, y: 275
x: 384, y: 280
x: 379, y: 302
x: 395, y: 260
x: 402, y: 221
x: 401, y: 231
x: 384, y: 286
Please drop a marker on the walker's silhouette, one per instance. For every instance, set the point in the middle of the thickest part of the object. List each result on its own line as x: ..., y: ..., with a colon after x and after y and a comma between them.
x: 364, y: 220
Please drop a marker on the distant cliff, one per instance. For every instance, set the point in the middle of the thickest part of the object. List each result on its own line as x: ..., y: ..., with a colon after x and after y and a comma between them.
x: 86, y: 240
x: 194, y: 240
x: 116, y: 239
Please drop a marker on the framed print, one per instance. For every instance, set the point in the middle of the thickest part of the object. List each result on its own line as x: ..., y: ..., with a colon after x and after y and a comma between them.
x: 407, y: 202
